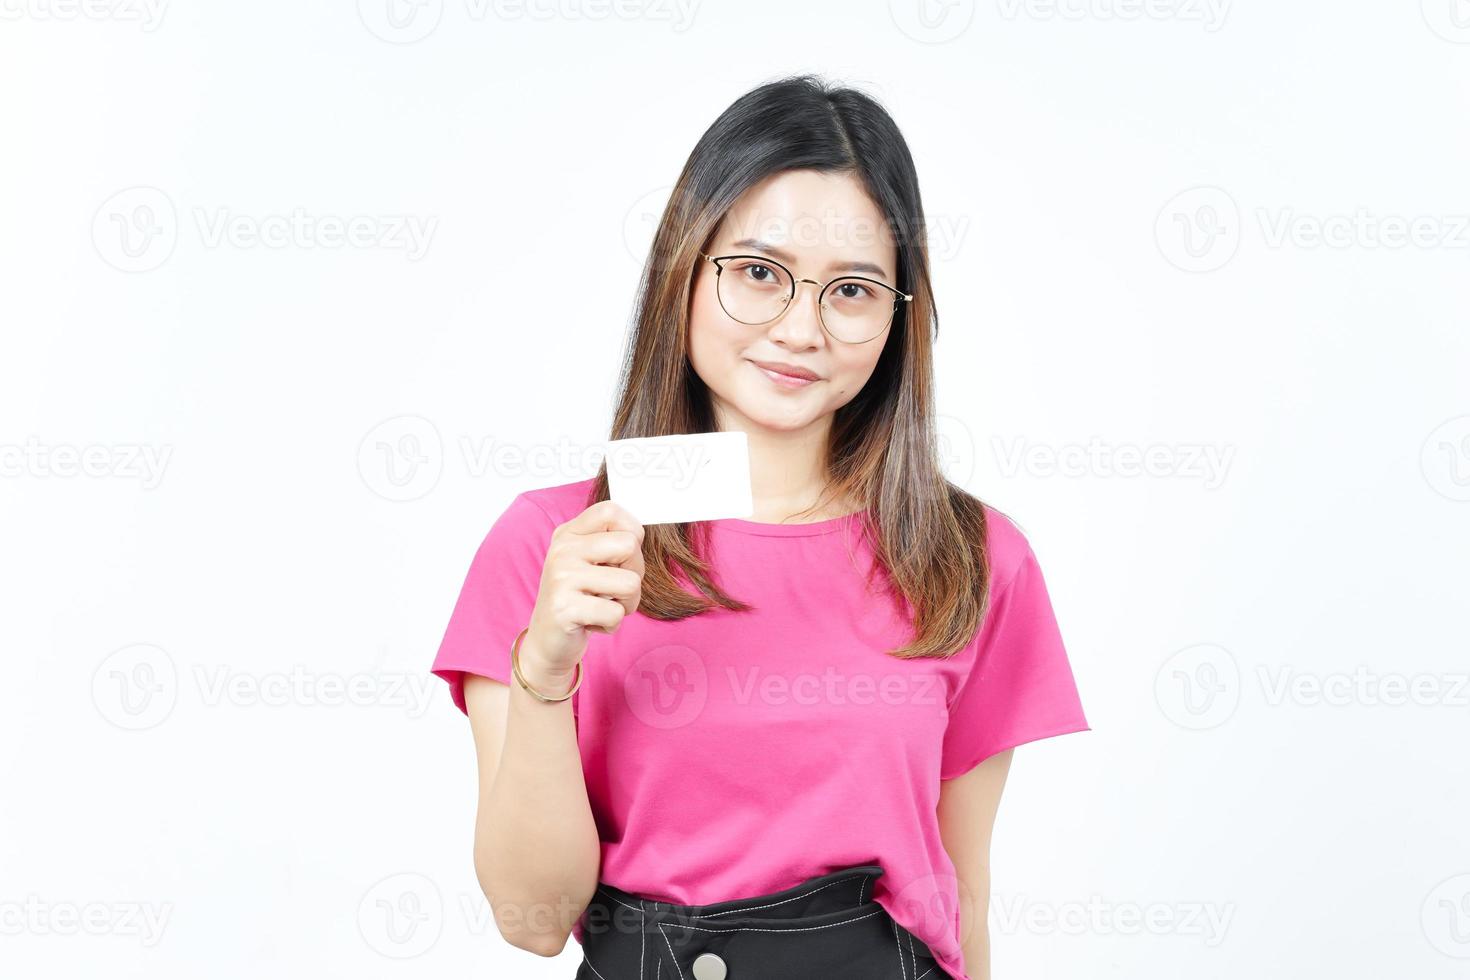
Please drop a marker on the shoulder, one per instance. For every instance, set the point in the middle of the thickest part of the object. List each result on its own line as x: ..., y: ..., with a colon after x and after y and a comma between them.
x: 557, y: 504
x: 1006, y: 547
x: 523, y: 527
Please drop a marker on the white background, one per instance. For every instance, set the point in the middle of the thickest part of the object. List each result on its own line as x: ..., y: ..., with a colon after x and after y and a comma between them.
x: 242, y: 475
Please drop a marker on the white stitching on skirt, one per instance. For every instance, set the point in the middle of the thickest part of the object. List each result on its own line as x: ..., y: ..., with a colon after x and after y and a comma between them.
x: 642, y: 939
x: 671, y: 953
x: 642, y: 935
x: 913, y: 956
x: 682, y: 925
x: 613, y: 898
x: 756, y: 908
x: 793, y: 898
x: 830, y: 925
x: 903, y: 970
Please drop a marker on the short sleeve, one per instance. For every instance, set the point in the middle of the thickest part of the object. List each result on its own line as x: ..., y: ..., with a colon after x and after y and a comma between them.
x: 1020, y: 686
x: 496, y: 599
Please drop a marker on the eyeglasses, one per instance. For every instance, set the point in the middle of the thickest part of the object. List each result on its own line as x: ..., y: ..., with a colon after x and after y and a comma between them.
x: 754, y: 289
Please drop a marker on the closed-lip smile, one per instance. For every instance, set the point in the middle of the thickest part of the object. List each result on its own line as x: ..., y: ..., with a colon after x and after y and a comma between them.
x: 790, y: 370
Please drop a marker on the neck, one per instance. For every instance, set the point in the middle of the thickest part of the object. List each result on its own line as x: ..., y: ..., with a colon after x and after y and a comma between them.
x: 788, y: 470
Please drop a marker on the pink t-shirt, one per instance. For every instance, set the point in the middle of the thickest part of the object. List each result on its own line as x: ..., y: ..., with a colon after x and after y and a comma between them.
x: 733, y: 754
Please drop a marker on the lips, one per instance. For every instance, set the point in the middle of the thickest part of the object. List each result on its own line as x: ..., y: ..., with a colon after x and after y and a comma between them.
x: 789, y: 370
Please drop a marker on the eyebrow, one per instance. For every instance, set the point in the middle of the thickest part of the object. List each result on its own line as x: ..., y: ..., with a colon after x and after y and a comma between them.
x: 786, y: 257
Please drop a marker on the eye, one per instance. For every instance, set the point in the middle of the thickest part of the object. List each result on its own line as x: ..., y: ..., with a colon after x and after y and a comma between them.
x: 760, y: 273
x: 854, y: 290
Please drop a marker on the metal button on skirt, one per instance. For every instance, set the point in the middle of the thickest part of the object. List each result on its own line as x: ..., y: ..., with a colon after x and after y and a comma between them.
x: 825, y: 928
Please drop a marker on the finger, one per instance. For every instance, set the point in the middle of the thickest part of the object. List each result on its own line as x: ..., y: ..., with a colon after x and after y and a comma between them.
x: 597, y: 614
x: 606, y: 515
x: 607, y: 548
x: 635, y: 563
x: 608, y: 581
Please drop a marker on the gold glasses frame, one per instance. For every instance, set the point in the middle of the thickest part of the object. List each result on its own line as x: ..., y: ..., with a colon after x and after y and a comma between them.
x: 899, y: 296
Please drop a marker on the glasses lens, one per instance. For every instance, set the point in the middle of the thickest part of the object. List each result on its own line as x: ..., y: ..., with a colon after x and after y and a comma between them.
x: 855, y: 311
x: 753, y: 291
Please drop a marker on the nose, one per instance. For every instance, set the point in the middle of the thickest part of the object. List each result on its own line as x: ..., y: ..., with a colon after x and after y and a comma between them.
x: 801, y: 326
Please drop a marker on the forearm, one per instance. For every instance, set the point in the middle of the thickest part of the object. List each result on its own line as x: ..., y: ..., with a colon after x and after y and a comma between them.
x: 537, y: 853
x: 976, y: 931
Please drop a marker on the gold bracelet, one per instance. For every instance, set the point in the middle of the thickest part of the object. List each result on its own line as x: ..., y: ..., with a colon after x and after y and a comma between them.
x: 515, y: 666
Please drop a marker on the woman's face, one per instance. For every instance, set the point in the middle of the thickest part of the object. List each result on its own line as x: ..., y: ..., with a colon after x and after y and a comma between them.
x: 819, y: 226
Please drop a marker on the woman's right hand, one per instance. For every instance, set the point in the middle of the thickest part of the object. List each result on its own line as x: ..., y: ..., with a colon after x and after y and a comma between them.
x: 592, y: 577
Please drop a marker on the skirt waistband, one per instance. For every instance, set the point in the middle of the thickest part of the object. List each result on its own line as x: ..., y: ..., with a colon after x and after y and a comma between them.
x: 828, y: 924
x: 832, y: 897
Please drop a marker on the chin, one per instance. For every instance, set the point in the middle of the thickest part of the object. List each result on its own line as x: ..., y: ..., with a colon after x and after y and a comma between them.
x: 771, y: 417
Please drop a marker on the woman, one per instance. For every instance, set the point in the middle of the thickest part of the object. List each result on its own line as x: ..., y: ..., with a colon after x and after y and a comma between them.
x: 768, y: 748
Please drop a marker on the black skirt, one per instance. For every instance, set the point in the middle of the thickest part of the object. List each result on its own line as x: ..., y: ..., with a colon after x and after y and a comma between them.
x: 825, y: 928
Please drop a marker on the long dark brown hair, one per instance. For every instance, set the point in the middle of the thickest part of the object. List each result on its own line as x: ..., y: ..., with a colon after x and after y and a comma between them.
x: 928, y: 534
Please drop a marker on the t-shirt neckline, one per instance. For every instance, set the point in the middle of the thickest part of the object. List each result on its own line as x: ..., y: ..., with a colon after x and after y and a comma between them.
x: 828, y: 526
